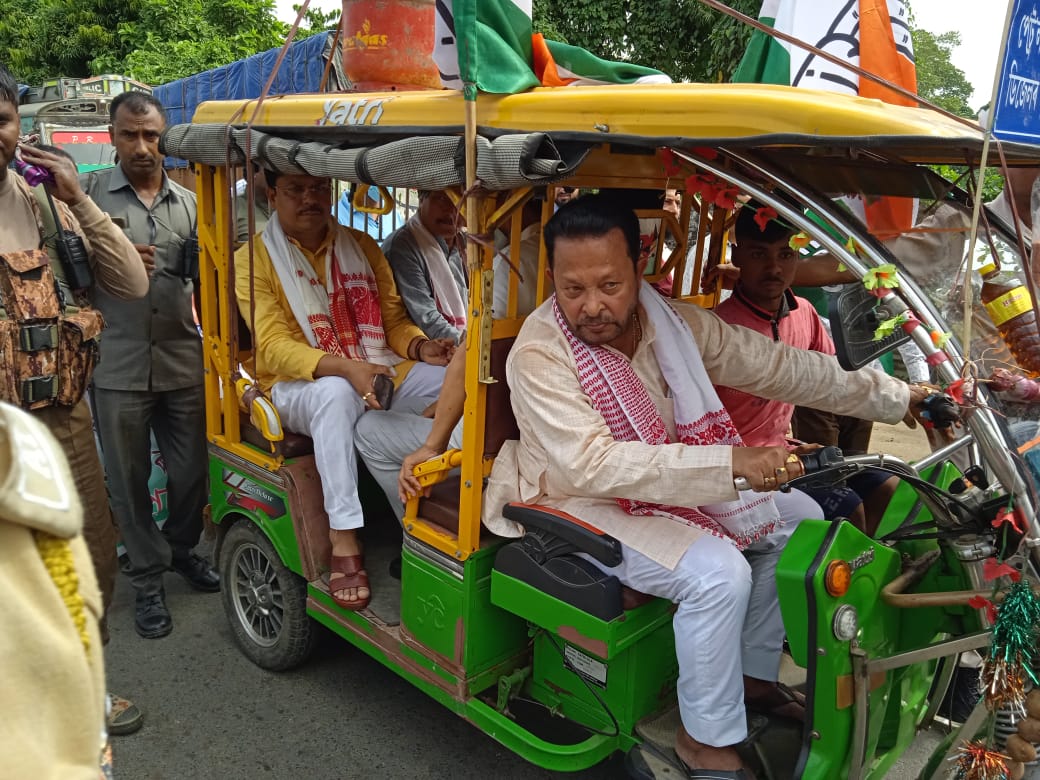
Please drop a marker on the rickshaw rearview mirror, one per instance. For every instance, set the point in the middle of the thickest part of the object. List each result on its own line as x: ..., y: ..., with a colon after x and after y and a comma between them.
x: 854, y: 320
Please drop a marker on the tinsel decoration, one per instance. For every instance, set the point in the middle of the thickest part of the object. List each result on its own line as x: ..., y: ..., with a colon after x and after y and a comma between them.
x: 1017, y: 628
x: 1011, y: 656
x: 977, y: 762
x: 1003, y: 685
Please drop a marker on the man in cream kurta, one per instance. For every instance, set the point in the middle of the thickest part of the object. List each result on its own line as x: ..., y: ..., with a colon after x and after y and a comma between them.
x: 568, y: 458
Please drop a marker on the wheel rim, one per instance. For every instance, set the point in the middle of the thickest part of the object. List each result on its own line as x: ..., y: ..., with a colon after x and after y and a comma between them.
x: 257, y: 595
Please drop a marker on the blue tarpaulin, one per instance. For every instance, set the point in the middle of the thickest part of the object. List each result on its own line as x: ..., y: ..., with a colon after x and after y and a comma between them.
x: 301, y: 71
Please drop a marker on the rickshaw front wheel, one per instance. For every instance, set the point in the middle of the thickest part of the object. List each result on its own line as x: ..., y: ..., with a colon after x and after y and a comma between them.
x: 265, y: 602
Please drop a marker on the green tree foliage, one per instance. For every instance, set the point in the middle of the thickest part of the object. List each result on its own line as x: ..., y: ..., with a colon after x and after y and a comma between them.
x: 683, y: 38
x: 154, y: 41
x: 944, y: 84
x: 315, y: 21
x: 938, y: 79
x: 176, y: 38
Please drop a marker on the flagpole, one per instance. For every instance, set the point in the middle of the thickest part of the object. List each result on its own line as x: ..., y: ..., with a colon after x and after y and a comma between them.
x: 969, y: 299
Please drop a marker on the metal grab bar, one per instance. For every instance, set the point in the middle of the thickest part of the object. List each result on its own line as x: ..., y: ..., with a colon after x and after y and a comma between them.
x: 893, y: 593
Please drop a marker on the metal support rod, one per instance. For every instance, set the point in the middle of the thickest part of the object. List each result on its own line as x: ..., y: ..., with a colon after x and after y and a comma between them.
x: 947, y: 668
x: 949, y: 647
x: 861, y: 711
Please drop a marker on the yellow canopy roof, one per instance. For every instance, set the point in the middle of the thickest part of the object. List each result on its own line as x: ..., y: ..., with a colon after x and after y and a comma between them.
x: 727, y: 114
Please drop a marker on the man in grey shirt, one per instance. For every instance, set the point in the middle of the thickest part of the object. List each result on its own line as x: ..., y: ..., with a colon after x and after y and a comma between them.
x: 428, y: 272
x: 149, y: 378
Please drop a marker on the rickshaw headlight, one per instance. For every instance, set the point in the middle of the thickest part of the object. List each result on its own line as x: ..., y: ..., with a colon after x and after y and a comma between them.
x: 837, y: 578
x: 846, y: 623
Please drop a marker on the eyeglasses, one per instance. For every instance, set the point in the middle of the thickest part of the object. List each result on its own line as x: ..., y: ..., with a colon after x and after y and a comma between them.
x: 568, y: 190
x: 296, y: 192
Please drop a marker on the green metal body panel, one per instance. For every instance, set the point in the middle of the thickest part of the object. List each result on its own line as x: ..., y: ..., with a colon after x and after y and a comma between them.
x: 549, y: 755
x: 452, y: 617
x: 627, y: 665
x: 461, y: 632
x: 898, y: 701
x: 806, y: 621
x: 234, y: 492
x: 455, y: 634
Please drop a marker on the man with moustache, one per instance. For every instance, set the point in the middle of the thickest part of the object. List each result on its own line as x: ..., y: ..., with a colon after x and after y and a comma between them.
x: 149, y: 378
x: 647, y: 453
x: 327, y: 322
x: 428, y: 269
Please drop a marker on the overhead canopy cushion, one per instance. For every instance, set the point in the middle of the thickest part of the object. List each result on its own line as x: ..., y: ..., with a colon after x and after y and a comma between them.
x: 424, y: 162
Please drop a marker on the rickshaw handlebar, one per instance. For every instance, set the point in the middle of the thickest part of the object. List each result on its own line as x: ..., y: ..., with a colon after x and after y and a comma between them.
x: 814, y: 461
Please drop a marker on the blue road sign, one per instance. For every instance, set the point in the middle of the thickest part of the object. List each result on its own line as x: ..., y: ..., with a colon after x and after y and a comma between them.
x: 1017, y: 115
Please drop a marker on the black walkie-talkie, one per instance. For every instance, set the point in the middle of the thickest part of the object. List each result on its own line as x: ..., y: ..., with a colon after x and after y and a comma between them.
x: 72, y: 253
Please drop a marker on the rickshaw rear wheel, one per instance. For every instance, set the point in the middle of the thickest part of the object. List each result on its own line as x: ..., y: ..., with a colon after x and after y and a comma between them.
x: 265, y: 602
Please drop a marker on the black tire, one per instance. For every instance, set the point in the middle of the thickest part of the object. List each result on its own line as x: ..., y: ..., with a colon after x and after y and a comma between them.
x: 265, y: 603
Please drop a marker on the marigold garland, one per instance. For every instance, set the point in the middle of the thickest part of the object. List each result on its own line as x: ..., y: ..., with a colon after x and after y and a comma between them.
x: 57, y: 557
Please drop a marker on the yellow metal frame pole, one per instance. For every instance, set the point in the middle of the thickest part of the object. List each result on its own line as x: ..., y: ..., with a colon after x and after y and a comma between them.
x: 478, y: 351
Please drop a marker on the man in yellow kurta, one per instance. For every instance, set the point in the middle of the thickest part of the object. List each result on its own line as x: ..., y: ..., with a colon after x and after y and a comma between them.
x: 327, y: 320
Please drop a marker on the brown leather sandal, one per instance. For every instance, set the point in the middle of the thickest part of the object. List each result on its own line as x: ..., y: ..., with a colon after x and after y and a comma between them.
x: 352, y: 567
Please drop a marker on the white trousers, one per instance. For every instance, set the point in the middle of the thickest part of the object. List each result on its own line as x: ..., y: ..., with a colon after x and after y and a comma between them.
x: 327, y: 409
x: 385, y: 439
x: 725, y: 599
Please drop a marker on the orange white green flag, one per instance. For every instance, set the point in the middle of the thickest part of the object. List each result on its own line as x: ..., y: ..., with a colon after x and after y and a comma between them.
x: 872, y: 34
x: 491, y: 44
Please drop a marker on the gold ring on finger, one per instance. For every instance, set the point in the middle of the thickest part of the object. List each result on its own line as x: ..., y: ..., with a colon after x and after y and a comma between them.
x: 770, y: 480
x: 367, y: 395
x: 780, y: 471
x: 792, y: 458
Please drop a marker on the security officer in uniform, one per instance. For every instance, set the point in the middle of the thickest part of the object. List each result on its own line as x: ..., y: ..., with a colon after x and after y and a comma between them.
x: 29, y: 222
x: 150, y: 375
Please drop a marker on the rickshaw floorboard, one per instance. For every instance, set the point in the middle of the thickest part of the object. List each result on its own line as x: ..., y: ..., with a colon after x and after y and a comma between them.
x: 779, y: 742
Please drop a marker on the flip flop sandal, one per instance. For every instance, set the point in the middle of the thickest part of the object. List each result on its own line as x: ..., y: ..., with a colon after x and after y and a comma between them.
x: 710, y: 774
x: 352, y: 567
x: 782, y: 697
x: 124, y: 717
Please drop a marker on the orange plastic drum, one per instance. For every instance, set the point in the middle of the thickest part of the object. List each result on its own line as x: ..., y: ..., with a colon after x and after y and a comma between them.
x: 389, y: 43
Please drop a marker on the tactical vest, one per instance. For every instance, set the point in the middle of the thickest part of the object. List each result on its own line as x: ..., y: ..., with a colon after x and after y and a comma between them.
x: 48, y: 344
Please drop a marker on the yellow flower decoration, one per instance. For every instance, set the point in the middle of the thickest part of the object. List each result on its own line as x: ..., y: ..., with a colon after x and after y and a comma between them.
x: 884, y: 277
x: 799, y: 241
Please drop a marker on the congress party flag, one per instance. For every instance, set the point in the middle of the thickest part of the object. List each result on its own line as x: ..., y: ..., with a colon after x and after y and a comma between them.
x: 873, y: 34
x: 492, y: 45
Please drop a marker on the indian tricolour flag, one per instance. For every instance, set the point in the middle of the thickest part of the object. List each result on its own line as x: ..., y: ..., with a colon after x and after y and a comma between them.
x: 873, y: 34
x: 491, y: 44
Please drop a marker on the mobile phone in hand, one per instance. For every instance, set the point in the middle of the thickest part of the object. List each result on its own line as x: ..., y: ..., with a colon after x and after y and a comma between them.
x: 383, y: 387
